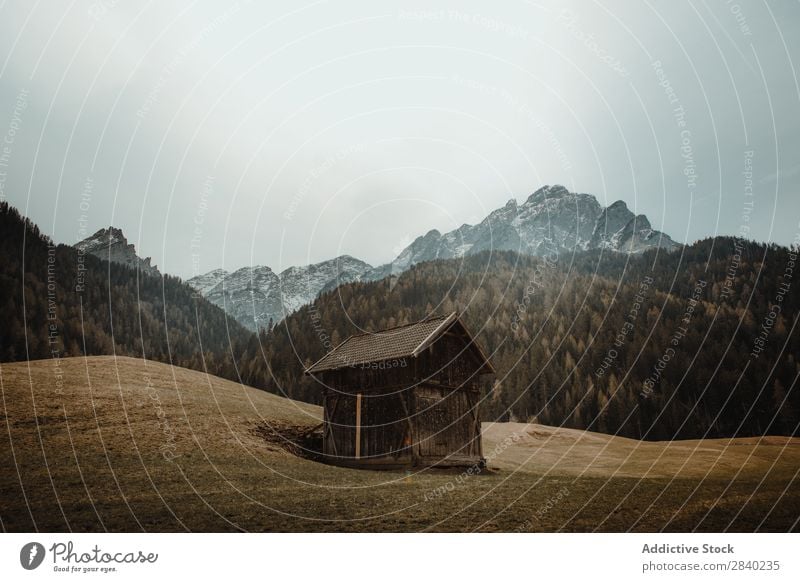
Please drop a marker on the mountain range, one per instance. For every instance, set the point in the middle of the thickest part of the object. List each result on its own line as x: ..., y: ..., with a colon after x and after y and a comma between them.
x: 254, y: 296
x: 551, y: 220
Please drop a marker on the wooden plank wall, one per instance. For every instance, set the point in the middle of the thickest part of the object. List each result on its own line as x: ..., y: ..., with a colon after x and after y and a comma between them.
x: 384, y: 427
x: 441, y: 383
x: 445, y: 422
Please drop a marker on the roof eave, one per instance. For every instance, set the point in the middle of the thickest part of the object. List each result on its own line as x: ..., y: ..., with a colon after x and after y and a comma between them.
x: 310, y: 370
x: 432, y: 337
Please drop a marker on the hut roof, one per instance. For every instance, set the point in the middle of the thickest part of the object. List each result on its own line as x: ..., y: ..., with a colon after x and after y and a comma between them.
x: 389, y: 344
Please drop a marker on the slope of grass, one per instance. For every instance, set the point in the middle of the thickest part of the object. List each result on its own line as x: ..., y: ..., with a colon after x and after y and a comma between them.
x: 105, y: 443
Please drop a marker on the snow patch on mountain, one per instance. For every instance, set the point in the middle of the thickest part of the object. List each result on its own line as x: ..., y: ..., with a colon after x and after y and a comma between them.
x: 551, y: 220
x: 256, y: 295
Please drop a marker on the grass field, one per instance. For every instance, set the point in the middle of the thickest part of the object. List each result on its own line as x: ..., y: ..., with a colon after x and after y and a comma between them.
x: 100, y: 443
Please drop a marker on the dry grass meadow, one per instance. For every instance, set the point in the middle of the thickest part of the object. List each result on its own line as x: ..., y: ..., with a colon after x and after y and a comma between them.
x: 124, y: 445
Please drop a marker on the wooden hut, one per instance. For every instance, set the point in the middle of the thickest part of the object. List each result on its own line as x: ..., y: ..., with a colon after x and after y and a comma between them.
x: 403, y: 397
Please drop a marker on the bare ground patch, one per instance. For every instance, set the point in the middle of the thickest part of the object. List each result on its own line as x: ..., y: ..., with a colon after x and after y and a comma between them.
x: 296, y: 439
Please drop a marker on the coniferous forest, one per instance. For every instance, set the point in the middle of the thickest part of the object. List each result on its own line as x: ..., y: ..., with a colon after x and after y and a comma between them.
x: 700, y: 342
x: 57, y: 303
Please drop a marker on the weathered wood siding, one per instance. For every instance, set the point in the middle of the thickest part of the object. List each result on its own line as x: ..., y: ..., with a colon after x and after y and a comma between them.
x: 368, y: 378
x: 384, y: 428
x: 450, y: 361
x: 414, y: 410
x: 446, y: 422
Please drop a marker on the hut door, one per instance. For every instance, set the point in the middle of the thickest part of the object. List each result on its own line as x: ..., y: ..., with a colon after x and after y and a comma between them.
x: 446, y: 425
x: 432, y: 423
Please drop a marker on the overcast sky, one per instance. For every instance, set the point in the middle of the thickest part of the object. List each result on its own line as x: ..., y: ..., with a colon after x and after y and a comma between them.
x: 225, y: 136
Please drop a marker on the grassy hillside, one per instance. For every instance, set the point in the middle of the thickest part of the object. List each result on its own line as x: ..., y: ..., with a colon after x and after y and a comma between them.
x: 123, y: 445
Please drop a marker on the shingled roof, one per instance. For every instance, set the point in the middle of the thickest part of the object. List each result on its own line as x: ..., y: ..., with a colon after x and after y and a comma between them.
x: 397, y: 342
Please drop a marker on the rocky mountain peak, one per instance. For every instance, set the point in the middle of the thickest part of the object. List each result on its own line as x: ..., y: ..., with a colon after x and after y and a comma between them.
x: 641, y: 222
x: 552, y: 219
x: 110, y: 244
x: 547, y: 192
